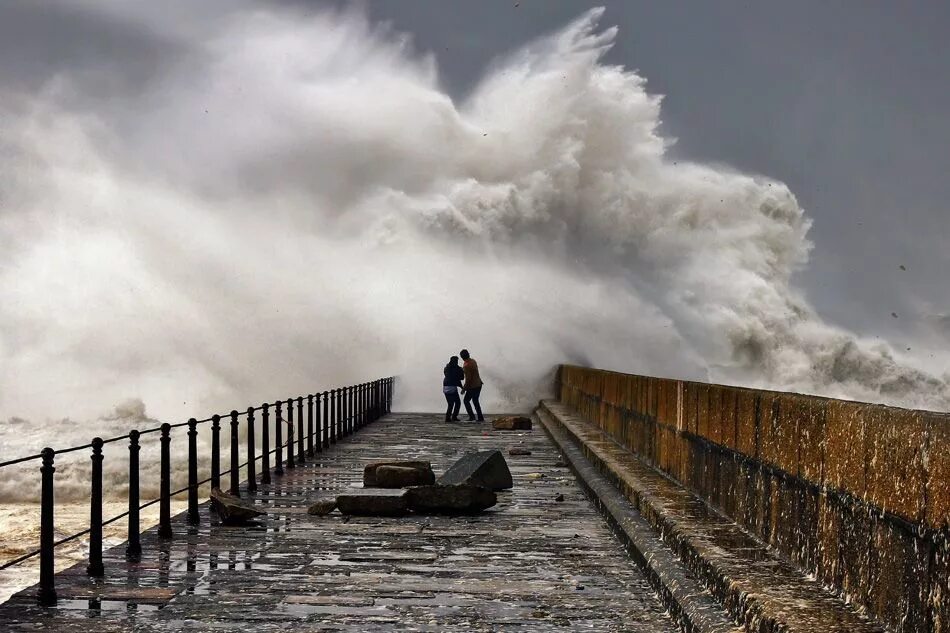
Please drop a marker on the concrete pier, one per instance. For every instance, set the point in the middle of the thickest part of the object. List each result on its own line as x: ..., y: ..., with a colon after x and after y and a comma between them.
x: 541, y: 560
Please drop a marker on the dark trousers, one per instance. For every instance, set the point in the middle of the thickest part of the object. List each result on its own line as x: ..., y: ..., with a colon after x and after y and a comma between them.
x: 454, y: 404
x: 471, y: 397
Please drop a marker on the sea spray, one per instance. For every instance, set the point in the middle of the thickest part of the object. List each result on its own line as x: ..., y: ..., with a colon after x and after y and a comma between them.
x: 293, y: 203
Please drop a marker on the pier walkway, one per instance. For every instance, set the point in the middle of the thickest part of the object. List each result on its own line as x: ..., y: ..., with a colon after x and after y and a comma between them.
x: 543, y: 559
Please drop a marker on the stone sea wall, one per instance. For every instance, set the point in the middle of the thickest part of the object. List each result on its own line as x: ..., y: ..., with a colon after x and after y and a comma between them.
x: 856, y: 494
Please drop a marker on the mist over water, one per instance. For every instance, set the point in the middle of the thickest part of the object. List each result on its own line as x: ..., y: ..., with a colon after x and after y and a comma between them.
x: 296, y: 204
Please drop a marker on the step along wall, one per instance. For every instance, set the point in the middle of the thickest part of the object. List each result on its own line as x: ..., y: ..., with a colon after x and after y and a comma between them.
x: 857, y: 494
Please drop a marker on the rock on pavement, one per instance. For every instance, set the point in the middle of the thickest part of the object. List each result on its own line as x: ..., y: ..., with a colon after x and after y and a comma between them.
x: 487, y: 469
x: 512, y: 423
x: 232, y: 510
x: 369, y: 471
x: 451, y: 499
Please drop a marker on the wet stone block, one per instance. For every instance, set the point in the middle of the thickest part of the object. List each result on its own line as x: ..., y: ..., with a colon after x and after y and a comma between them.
x: 938, y: 471
x: 728, y: 484
x: 746, y: 430
x: 232, y: 510
x: 369, y: 470
x: 702, y: 410
x: 845, y: 454
x: 401, y: 477
x: 458, y: 499
x: 829, y: 536
x: 487, y: 469
x: 938, y: 598
x: 321, y: 507
x: 899, y: 576
x: 896, y: 441
x: 769, y: 438
x: 715, y: 414
x: 381, y: 503
x: 811, y: 438
x: 512, y: 423
x: 855, y: 542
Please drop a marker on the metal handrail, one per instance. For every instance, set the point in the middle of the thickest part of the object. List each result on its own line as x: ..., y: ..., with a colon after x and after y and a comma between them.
x: 63, y: 451
x: 345, y: 410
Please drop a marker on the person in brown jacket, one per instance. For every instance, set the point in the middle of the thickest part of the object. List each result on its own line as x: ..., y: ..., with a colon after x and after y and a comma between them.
x: 472, y: 387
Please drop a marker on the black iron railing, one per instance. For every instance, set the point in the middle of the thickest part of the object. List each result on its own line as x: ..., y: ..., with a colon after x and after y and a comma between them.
x: 345, y: 410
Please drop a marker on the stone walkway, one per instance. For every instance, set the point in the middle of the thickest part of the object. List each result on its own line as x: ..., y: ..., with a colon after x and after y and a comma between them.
x: 531, y: 563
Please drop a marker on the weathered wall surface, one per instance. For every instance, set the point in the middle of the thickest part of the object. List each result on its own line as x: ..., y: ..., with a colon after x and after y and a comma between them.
x: 858, y: 494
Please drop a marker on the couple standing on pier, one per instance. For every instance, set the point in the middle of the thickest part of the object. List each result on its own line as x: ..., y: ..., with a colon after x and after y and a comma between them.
x: 468, y: 379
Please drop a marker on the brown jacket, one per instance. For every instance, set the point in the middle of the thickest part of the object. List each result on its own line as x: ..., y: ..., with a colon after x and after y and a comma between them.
x: 472, y: 379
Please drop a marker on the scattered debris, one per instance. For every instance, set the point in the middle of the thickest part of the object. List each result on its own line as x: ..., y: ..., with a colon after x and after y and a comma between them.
x: 451, y: 499
x: 375, y: 504
x: 322, y: 507
x: 518, y: 451
x: 559, y: 498
x: 402, y: 476
x: 487, y: 469
x: 232, y: 510
x: 534, y: 476
x: 369, y: 471
x: 512, y: 423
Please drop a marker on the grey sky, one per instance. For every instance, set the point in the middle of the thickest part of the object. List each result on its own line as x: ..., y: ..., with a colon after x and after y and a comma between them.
x: 846, y: 102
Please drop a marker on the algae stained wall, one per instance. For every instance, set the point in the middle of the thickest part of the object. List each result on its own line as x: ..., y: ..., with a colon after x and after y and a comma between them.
x: 857, y: 494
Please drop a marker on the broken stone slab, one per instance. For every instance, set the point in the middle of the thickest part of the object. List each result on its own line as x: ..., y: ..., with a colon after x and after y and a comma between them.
x: 402, y: 477
x: 322, y: 507
x: 369, y: 471
x: 487, y: 469
x: 381, y: 503
x: 516, y: 451
x: 512, y: 423
x: 232, y: 510
x: 451, y: 499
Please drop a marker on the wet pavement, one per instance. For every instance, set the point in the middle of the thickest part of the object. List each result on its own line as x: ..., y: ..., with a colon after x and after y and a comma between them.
x: 531, y: 563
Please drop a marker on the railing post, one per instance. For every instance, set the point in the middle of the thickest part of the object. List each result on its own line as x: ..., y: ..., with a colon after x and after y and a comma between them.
x: 300, y: 433
x: 371, y: 413
x: 324, y: 425
x: 351, y: 409
x: 165, y: 499
x: 278, y: 438
x: 310, y: 423
x: 95, y: 513
x: 235, y: 457
x: 134, y: 549
x: 193, y: 517
x: 265, y: 443
x: 361, y: 418
x: 377, y: 409
x: 47, y: 593
x: 344, y: 423
x: 216, y: 451
x: 334, y: 412
x: 251, y: 457
x: 290, y: 433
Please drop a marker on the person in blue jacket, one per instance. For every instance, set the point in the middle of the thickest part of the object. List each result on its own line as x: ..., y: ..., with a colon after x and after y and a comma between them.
x: 450, y: 388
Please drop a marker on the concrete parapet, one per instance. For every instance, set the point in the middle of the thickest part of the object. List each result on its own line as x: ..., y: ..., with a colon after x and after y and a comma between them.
x: 856, y: 494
